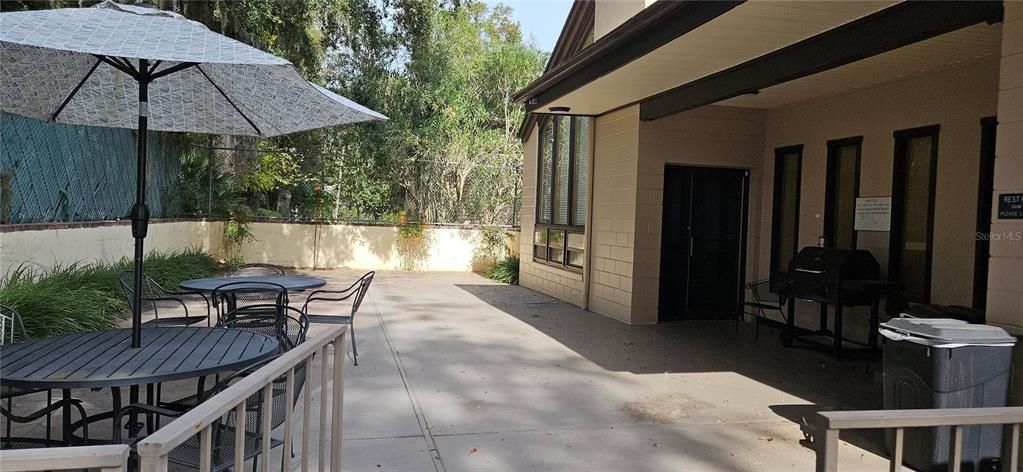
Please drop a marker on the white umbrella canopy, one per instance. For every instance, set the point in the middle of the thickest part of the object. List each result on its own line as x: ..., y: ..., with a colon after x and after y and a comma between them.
x: 72, y: 66
x: 123, y: 66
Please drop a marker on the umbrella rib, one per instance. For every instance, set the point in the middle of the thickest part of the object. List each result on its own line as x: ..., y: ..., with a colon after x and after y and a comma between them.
x: 74, y: 92
x: 214, y: 84
x: 117, y: 65
x: 170, y: 70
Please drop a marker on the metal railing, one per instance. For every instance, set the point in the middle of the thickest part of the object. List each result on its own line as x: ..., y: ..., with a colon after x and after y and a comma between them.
x: 829, y: 423
x: 113, y: 458
x: 155, y: 449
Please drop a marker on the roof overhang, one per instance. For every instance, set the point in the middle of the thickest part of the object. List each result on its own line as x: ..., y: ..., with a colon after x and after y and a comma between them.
x: 737, y: 50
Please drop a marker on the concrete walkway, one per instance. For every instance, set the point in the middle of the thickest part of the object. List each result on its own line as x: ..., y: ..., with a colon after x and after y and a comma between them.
x: 459, y: 373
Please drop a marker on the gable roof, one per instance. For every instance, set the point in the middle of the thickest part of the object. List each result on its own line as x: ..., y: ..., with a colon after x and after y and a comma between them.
x: 578, y: 28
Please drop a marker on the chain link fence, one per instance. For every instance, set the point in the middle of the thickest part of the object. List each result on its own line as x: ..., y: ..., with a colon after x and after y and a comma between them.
x: 60, y: 173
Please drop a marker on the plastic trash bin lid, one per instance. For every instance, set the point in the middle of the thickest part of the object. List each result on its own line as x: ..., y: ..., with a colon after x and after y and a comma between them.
x: 945, y: 331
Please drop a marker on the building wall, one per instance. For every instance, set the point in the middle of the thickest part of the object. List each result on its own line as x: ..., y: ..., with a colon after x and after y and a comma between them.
x: 559, y: 283
x: 615, y: 172
x: 956, y: 99
x: 708, y: 136
x: 608, y: 14
x: 1005, y: 286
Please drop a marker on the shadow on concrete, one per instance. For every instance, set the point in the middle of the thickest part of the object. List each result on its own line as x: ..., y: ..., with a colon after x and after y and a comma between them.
x: 700, y: 347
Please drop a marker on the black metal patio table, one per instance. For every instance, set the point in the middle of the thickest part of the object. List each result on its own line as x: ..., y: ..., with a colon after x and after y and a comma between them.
x: 294, y: 283
x: 106, y: 359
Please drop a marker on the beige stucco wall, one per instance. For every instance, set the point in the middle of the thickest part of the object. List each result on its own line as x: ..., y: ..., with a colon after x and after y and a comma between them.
x: 329, y: 246
x: 709, y: 136
x: 320, y: 246
x: 608, y: 14
x: 956, y: 99
x: 558, y: 283
x: 50, y: 247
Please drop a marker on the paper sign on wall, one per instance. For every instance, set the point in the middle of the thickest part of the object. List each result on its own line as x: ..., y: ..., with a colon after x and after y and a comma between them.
x: 873, y: 214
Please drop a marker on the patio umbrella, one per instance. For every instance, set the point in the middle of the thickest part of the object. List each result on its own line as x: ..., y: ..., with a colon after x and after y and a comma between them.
x: 136, y: 67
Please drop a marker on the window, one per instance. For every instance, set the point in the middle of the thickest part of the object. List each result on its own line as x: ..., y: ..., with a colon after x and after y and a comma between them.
x: 562, y: 194
x: 842, y: 188
x: 913, y: 184
x: 788, y: 162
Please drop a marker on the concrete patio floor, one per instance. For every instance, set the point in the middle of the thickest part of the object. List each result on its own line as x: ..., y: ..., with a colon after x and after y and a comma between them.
x: 459, y: 373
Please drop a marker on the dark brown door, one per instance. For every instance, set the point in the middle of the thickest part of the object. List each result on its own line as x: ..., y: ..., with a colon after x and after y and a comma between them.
x: 702, y: 242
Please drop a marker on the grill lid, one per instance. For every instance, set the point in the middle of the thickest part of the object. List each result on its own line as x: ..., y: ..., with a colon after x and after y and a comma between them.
x: 945, y: 332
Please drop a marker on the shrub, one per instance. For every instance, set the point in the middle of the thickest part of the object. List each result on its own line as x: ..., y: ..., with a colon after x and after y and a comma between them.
x: 88, y: 297
x: 506, y: 271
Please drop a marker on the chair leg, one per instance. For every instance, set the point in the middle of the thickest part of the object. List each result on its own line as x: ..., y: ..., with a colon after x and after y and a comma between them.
x: 355, y: 350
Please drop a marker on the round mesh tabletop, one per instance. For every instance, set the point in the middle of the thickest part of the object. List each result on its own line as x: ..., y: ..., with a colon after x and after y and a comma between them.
x: 293, y: 283
x: 106, y: 358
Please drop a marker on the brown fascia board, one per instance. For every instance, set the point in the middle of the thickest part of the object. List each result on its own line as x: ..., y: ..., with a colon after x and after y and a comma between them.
x: 649, y: 29
x: 578, y: 25
x: 652, y: 27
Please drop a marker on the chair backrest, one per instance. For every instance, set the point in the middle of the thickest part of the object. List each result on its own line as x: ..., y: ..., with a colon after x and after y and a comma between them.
x: 286, y: 324
x: 355, y: 292
x: 11, y: 327
x: 364, y: 283
x: 255, y: 268
x: 232, y: 295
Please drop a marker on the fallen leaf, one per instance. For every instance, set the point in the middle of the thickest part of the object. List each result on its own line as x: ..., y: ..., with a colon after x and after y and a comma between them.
x: 473, y: 451
x: 657, y: 444
x: 767, y: 438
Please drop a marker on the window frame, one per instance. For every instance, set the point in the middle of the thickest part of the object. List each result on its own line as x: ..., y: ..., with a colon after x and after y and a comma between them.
x: 897, y: 234
x: 779, y: 153
x: 830, y: 187
x: 550, y: 226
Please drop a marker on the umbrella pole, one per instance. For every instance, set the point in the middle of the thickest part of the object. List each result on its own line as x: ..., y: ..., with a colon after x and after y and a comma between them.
x: 139, y: 211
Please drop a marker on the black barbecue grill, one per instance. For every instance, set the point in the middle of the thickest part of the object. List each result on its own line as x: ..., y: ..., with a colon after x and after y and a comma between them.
x: 831, y: 276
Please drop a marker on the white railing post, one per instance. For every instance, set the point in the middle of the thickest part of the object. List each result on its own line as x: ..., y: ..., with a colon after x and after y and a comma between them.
x: 337, y: 407
x: 154, y: 449
x: 827, y: 446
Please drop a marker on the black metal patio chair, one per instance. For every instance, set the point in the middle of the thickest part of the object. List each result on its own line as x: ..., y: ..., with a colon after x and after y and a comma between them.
x: 255, y: 268
x: 291, y: 330
x: 232, y: 295
x: 12, y: 329
x: 355, y: 292
x: 764, y: 301
x: 153, y: 294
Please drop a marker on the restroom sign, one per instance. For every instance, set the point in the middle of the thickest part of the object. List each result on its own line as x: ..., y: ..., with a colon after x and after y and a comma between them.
x: 873, y: 214
x: 1010, y: 206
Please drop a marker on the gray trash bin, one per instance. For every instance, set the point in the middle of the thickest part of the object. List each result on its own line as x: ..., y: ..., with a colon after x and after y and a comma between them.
x: 947, y: 363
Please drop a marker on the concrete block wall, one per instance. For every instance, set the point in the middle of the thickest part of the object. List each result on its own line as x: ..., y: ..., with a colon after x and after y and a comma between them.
x: 558, y: 283
x: 615, y: 173
x: 1005, y: 277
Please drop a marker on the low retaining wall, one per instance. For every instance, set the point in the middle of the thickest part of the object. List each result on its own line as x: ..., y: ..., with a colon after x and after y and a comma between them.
x: 301, y: 245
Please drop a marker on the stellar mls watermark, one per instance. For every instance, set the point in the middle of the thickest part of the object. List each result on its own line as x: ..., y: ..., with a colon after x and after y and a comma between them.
x: 1001, y: 236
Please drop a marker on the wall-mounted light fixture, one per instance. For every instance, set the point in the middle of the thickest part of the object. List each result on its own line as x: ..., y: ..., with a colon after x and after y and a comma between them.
x: 559, y: 109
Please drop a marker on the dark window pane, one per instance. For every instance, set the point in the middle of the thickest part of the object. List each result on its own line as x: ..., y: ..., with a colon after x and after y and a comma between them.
x: 546, y: 163
x: 843, y: 189
x: 786, y: 210
x: 582, y: 165
x: 916, y: 222
x: 562, y: 170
